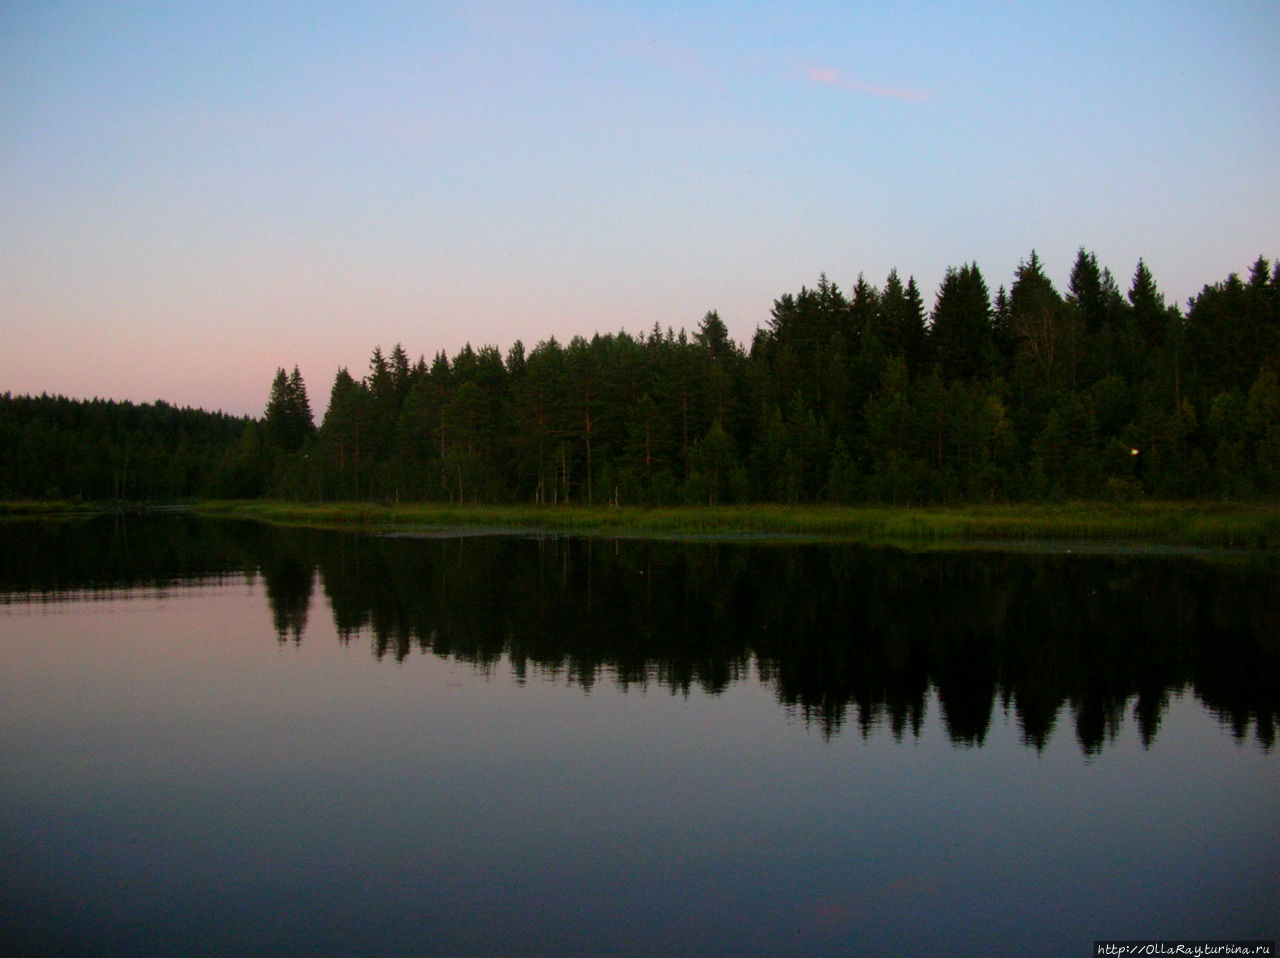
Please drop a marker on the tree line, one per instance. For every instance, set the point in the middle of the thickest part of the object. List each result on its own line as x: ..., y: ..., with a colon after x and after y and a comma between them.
x: 864, y: 395
x: 52, y: 447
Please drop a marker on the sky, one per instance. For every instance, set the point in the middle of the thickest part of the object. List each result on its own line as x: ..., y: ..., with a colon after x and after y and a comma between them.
x: 196, y: 194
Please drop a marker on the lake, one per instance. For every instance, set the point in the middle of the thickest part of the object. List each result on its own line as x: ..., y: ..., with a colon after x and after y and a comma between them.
x: 221, y: 738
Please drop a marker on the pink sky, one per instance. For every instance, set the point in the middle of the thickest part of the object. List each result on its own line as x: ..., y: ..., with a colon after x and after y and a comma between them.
x: 194, y: 196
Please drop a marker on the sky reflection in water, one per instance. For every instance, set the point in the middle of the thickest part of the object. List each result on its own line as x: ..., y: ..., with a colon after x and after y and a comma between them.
x: 178, y: 779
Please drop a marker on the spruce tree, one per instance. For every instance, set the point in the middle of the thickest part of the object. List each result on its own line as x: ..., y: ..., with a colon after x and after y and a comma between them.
x: 960, y: 337
x: 287, y: 420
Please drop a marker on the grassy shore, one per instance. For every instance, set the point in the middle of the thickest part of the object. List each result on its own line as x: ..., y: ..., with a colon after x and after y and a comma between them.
x: 48, y: 509
x: 1230, y: 525
x: 1203, y: 524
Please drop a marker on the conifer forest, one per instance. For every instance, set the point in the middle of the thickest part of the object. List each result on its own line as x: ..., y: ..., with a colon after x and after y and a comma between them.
x: 867, y: 394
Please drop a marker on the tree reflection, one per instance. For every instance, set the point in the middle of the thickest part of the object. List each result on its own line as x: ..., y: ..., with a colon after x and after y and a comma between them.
x: 842, y: 635
x: 113, y: 553
x: 288, y: 579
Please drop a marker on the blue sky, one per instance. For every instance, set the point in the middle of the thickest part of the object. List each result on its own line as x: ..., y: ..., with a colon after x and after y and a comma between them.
x: 196, y: 193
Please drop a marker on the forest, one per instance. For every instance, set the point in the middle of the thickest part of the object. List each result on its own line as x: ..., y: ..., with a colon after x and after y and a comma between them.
x: 863, y: 395
x: 101, y: 450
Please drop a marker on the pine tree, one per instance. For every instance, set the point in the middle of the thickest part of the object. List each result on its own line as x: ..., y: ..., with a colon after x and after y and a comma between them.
x: 287, y: 420
x: 713, y: 335
x: 1149, y: 316
x: 1085, y: 291
x: 344, y: 436
x: 1048, y: 334
x: 901, y: 321
x: 960, y: 337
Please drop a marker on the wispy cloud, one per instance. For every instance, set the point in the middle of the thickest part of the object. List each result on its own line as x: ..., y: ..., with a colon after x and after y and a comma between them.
x: 829, y: 76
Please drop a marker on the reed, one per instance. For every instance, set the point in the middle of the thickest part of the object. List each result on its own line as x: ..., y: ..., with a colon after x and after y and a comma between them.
x: 1232, y: 525
x: 44, y: 509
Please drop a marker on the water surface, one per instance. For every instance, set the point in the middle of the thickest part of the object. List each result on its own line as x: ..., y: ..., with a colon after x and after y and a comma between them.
x: 225, y: 739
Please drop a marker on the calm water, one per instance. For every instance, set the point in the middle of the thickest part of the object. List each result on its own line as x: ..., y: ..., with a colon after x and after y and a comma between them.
x: 219, y: 739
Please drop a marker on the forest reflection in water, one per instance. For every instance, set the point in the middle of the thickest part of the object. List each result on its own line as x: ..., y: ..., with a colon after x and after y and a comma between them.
x: 844, y: 636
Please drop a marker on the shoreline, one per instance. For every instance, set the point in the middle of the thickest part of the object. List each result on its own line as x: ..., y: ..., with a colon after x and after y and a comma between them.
x: 1247, y: 526
x: 1060, y: 527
